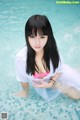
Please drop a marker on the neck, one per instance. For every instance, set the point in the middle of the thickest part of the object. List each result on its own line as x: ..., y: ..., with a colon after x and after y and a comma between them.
x: 40, y: 54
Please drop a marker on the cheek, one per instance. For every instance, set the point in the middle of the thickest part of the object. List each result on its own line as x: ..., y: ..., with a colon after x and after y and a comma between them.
x: 31, y: 43
x: 44, y: 42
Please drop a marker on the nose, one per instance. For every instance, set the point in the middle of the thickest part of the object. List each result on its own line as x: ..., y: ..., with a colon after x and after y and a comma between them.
x: 37, y: 40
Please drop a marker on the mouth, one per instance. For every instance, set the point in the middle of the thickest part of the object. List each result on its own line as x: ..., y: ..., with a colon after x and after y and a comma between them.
x: 37, y: 46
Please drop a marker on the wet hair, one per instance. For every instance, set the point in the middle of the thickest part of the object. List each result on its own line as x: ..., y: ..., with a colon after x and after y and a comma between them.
x: 41, y: 24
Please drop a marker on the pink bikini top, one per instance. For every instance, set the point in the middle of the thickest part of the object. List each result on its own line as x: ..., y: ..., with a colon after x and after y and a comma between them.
x: 40, y: 75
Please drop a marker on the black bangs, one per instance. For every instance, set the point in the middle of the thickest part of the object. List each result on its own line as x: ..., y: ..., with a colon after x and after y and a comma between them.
x: 37, y: 24
x: 34, y: 31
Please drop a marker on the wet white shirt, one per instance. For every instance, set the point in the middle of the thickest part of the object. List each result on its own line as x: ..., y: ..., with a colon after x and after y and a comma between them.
x: 21, y: 75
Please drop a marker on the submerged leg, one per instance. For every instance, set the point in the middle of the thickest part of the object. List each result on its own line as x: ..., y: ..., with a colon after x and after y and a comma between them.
x: 67, y: 90
x: 69, y: 82
x: 73, y: 93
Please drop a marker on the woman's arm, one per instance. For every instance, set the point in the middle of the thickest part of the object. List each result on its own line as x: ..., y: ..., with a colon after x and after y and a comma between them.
x: 57, y: 75
x: 54, y: 79
x: 25, y: 86
x: 25, y: 90
x: 49, y: 84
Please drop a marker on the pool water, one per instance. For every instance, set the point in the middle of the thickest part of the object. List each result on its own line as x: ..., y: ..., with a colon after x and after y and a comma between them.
x: 65, y: 21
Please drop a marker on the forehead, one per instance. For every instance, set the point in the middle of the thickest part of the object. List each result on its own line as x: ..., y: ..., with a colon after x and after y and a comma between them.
x: 38, y: 31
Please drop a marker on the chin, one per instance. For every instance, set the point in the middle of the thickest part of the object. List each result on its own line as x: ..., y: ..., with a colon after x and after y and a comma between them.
x: 38, y: 50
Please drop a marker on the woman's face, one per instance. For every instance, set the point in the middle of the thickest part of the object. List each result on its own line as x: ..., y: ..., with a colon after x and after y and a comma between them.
x: 38, y: 42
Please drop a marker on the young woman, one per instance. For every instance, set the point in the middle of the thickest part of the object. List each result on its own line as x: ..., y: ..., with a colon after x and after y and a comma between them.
x: 39, y: 63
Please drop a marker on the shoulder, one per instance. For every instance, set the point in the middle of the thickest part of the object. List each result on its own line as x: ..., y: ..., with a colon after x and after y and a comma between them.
x: 22, y: 54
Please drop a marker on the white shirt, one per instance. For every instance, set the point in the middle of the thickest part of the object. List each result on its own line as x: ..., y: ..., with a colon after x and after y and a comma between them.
x: 21, y: 75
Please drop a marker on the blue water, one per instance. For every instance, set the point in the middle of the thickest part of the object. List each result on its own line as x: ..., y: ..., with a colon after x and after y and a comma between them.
x: 65, y: 21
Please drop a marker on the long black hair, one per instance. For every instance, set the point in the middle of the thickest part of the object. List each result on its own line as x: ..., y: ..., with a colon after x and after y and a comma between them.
x: 41, y: 23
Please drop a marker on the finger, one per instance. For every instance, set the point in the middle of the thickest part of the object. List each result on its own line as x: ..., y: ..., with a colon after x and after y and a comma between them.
x: 35, y: 84
x: 39, y: 86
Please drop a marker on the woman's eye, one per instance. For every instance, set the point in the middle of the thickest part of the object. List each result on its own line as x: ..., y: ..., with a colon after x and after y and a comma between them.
x: 42, y: 37
x: 32, y: 36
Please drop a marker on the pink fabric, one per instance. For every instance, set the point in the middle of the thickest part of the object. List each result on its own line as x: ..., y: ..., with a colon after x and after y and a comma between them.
x: 40, y: 75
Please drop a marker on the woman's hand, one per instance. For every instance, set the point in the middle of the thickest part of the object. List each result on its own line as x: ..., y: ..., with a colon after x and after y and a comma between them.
x: 25, y: 92
x: 42, y: 84
x: 22, y: 94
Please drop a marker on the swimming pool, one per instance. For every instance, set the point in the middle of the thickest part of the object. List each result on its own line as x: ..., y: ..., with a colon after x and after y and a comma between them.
x: 65, y: 20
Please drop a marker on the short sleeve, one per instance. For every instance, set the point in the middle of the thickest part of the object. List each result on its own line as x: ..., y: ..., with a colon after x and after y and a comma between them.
x: 20, y: 69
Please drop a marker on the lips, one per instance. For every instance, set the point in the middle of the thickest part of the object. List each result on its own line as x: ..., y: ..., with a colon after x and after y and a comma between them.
x: 37, y: 46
